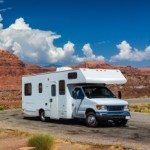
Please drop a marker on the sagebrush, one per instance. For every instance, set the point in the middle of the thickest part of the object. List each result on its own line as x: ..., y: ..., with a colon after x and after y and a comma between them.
x: 41, y: 142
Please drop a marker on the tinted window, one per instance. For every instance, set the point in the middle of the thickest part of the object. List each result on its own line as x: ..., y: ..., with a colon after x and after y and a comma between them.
x: 53, y: 90
x: 78, y: 94
x: 40, y: 88
x: 62, y: 87
x: 72, y: 75
x: 98, y: 92
x: 27, y: 89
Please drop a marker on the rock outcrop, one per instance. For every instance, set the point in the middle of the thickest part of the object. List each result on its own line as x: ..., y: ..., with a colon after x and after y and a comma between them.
x: 138, y: 79
x: 11, y: 71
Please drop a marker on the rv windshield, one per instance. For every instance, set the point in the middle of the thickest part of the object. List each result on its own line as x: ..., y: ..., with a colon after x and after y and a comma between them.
x: 98, y: 92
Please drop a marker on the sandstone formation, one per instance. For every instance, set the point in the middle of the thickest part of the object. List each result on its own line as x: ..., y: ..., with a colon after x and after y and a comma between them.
x: 11, y: 71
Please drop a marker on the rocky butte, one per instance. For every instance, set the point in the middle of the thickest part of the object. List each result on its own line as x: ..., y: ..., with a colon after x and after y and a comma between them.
x: 11, y: 71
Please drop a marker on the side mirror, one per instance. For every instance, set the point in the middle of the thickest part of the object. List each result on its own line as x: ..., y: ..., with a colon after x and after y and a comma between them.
x: 119, y: 95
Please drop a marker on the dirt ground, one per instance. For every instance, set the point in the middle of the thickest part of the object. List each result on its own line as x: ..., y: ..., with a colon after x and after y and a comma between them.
x: 135, y: 135
x: 16, y: 140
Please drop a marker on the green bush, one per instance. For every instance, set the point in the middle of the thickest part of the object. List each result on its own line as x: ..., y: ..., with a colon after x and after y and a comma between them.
x: 2, y: 108
x: 41, y: 142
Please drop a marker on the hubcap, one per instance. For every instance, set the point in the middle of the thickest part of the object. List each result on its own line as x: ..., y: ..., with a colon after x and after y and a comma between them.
x: 91, y: 119
x: 42, y: 116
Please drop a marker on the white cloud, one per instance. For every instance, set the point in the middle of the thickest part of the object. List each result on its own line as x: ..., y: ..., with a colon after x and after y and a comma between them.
x: 1, y: 19
x: 88, y: 55
x: 20, y: 25
x: 126, y: 52
x: 5, y: 9
x: 37, y: 46
x: 33, y: 45
x: 87, y: 50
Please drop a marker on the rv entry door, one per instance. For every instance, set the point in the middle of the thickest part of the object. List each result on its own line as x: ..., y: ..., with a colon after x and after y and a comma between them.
x: 54, y: 101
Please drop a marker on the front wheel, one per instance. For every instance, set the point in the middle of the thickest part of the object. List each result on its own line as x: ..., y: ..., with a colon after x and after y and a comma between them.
x: 91, y: 120
x: 121, y: 122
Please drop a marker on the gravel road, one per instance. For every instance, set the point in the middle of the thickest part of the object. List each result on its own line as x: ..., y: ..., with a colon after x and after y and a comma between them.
x: 135, y: 135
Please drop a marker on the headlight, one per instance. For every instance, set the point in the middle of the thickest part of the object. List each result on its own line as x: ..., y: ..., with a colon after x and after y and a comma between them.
x: 100, y: 107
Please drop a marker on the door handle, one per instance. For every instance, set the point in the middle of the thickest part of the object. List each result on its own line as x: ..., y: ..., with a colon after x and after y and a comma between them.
x: 51, y: 100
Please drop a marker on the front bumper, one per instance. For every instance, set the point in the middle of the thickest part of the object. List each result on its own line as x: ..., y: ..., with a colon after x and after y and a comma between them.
x: 113, y: 115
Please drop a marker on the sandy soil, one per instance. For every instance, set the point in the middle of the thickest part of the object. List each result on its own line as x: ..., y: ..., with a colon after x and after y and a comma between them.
x: 17, y: 140
x: 135, y: 135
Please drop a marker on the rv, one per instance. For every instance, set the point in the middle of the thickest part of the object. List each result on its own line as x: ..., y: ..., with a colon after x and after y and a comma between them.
x: 80, y: 93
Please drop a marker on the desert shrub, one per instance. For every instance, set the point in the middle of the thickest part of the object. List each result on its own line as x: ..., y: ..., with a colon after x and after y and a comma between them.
x: 2, y: 108
x: 41, y: 142
x: 145, y: 108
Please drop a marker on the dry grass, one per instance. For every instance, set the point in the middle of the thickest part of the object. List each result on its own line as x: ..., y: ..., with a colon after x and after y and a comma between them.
x: 41, y: 142
x: 61, y: 144
x: 145, y: 108
x: 15, y: 139
x: 12, y: 133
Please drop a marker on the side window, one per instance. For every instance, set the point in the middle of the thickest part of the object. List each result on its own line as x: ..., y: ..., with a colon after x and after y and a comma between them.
x: 40, y: 88
x: 62, y: 87
x: 72, y: 75
x: 78, y: 94
x: 27, y: 89
x: 53, y: 90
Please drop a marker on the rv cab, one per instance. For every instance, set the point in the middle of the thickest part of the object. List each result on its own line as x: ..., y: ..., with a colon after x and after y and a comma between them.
x: 97, y: 103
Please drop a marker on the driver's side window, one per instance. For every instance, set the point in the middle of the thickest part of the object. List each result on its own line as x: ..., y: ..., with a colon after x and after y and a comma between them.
x: 77, y: 93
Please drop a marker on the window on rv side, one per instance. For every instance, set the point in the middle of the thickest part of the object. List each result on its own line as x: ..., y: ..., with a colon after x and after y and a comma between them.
x: 40, y: 88
x: 53, y: 90
x: 62, y: 87
x: 27, y: 89
x: 72, y: 75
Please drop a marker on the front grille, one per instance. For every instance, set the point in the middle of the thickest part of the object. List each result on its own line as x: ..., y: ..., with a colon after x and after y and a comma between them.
x: 115, y: 108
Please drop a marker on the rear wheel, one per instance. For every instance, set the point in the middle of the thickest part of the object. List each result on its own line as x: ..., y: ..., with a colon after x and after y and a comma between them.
x: 91, y: 120
x: 42, y: 115
x: 121, y: 122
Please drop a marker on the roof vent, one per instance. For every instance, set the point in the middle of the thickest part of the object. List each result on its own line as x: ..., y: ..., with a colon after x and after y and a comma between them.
x: 63, y: 68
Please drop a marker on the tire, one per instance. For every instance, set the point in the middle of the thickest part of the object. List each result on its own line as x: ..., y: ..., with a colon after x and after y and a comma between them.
x: 91, y: 120
x: 120, y: 123
x: 42, y: 116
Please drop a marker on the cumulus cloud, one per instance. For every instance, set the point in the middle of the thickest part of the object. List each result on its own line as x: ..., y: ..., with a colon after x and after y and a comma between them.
x: 37, y: 46
x: 20, y: 25
x: 126, y: 52
x: 88, y: 55
x: 5, y: 9
x: 87, y: 50
x: 1, y: 19
x: 33, y: 45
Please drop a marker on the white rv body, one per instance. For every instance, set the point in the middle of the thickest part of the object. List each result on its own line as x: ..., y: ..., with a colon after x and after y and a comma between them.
x: 52, y: 93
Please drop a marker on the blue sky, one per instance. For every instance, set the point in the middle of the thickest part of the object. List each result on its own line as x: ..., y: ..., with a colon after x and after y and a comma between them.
x: 101, y: 23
